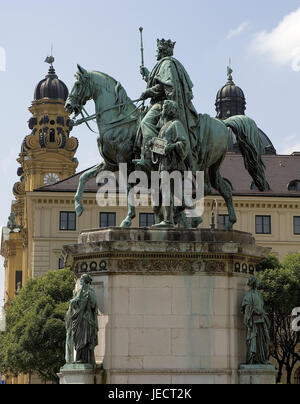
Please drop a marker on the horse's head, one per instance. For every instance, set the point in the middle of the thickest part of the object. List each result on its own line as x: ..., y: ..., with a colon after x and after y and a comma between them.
x: 80, y: 93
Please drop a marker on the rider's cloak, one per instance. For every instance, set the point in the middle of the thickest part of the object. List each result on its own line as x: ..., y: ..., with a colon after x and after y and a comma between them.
x: 177, y: 86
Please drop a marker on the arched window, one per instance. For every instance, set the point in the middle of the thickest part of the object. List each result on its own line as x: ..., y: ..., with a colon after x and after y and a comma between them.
x: 297, y: 376
x: 294, y: 185
x: 52, y: 136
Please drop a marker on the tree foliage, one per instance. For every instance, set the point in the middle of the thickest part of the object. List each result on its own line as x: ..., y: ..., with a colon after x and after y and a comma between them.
x: 281, y: 291
x: 35, y: 327
x: 271, y: 262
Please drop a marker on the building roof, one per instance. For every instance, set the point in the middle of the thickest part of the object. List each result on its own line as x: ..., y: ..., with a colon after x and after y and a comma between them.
x: 281, y: 170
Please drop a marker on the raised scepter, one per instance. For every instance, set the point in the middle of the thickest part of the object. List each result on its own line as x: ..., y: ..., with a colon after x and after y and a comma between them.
x: 142, y: 54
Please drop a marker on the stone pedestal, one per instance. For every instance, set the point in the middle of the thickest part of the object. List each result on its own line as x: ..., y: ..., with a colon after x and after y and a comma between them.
x: 257, y: 374
x: 170, y: 301
x: 80, y: 374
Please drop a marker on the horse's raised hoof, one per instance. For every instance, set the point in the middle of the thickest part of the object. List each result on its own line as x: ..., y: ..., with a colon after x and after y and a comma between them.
x: 78, y: 209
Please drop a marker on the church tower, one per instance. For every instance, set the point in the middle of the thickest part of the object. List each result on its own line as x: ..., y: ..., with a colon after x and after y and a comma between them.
x: 46, y: 157
x: 47, y: 153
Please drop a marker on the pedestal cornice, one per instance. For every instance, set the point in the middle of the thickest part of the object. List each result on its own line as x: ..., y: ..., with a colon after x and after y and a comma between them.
x: 142, y: 251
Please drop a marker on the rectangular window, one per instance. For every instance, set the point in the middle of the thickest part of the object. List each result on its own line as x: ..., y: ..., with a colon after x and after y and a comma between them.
x: 297, y: 225
x: 146, y: 219
x: 60, y: 263
x: 18, y: 281
x: 107, y: 219
x: 223, y: 221
x: 67, y: 221
x: 263, y: 224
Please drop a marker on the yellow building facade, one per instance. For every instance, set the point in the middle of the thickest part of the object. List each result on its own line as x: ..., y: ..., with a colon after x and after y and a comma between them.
x: 48, y: 237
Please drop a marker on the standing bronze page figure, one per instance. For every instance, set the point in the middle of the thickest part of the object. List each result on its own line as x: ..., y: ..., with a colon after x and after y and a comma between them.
x: 177, y: 147
x: 257, y: 325
x: 82, y: 324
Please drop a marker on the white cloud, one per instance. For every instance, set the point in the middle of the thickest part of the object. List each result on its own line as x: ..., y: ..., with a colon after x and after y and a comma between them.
x: 237, y: 31
x: 282, y: 44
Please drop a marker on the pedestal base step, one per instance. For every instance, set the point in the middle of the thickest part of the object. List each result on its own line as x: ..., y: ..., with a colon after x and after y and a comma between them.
x: 257, y: 374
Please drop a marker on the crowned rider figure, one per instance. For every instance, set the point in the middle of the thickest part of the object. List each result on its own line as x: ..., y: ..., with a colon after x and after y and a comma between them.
x: 167, y: 81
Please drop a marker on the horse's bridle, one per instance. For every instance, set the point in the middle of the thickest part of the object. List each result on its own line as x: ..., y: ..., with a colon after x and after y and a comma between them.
x: 84, y: 86
x: 87, y: 118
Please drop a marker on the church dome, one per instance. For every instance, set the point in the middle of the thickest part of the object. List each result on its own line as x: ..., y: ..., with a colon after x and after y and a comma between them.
x: 269, y: 148
x: 51, y: 87
x: 230, y: 99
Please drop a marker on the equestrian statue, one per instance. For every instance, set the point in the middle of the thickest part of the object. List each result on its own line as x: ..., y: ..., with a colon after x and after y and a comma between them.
x: 127, y: 132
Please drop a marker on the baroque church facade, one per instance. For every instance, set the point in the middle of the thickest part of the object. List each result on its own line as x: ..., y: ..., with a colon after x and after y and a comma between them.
x: 43, y: 219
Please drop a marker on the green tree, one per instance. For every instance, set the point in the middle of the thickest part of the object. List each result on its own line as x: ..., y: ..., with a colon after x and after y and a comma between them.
x: 271, y: 262
x: 280, y: 288
x: 292, y: 261
x: 35, y: 327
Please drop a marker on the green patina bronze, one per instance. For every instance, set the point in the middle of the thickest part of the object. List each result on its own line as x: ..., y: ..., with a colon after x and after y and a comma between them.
x: 126, y: 132
x: 168, y: 81
x: 82, y: 325
x: 174, y: 158
x: 257, y: 325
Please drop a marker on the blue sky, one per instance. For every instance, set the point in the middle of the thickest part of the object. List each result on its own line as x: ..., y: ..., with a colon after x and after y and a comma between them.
x: 261, y: 37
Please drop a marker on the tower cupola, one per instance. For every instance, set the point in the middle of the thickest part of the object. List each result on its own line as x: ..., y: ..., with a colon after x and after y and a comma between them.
x: 230, y: 99
x: 47, y: 153
x: 51, y: 87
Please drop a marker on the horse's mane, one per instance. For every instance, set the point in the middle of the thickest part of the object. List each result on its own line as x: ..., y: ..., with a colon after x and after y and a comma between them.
x: 114, y: 85
x: 105, y: 76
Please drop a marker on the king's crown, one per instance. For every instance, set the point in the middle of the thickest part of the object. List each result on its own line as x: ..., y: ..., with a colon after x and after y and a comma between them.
x: 162, y: 43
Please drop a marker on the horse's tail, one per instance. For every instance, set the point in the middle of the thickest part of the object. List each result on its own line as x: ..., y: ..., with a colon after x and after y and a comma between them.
x: 251, y: 147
